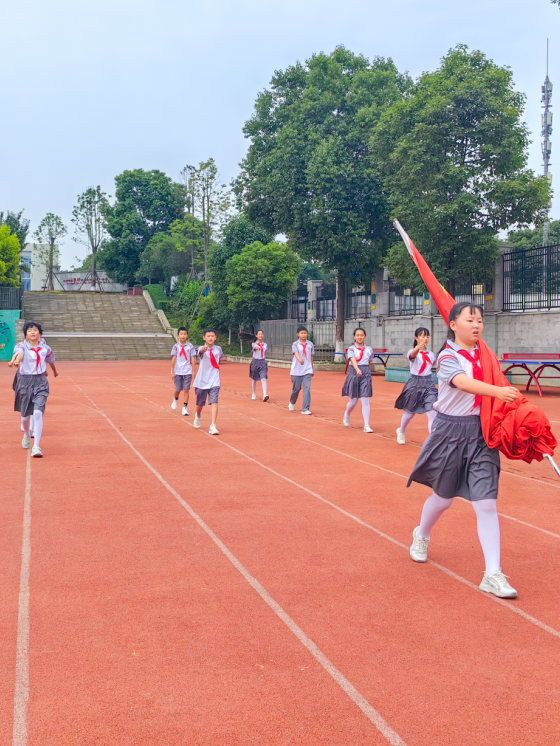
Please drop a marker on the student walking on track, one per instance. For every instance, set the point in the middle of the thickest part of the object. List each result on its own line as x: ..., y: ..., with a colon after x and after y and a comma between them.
x: 182, y: 359
x: 419, y: 393
x: 358, y: 380
x: 207, y: 380
x: 258, y: 370
x: 455, y: 460
x: 302, y: 370
x: 30, y: 384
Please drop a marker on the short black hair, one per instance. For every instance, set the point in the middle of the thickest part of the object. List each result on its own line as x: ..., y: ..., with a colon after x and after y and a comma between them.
x: 301, y: 328
x: 210, y: 330
x: 359, y: 329
x: 182, y: 329
x: 30, y: 325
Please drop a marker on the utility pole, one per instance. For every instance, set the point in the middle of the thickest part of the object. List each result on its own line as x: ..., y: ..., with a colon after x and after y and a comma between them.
x: 546, y: 132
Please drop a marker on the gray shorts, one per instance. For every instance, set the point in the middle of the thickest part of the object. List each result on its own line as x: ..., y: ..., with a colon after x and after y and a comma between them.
x: 183, y: 383
x: 212, y: 395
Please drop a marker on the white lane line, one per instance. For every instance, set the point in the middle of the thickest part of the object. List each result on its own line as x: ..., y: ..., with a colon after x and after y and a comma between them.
x: 376, y: 466
x: 507, y: 604
x: 21, y: 693
x: 369, y: 711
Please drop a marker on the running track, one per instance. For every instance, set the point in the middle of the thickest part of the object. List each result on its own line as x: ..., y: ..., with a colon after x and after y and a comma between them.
x: 163, y: 587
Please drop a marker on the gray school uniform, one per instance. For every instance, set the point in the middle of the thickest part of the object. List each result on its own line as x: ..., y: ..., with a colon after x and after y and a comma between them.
x: 31, y: 393
x: 419, y: 393
x: 183, y: 383
x: 455, y: 460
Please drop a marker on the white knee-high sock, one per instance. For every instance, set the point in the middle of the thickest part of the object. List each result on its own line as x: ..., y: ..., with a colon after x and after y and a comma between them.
x: 351, y: 406
x: 26, y: 422
x: 366, y: 409
x: 254, y: 385
x: 434, y: 507
x: 405, y: 421
x: 264, y: 385
x: 37, y: 426
x: 431, y: 415
x: 488, y: 526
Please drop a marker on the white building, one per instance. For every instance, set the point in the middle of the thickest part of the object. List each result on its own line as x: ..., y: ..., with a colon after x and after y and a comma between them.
x: 36, y: 278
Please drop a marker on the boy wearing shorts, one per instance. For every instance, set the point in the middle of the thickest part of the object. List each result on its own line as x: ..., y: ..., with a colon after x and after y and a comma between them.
x: 207, y: 380
x: 182, y: 360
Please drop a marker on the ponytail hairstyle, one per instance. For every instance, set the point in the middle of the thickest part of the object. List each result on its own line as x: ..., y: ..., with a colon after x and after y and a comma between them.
x: 420, y: 331
x: 454, y: 314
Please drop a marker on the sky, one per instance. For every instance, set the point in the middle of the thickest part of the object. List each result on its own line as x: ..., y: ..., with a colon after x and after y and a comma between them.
x: 91, y: 89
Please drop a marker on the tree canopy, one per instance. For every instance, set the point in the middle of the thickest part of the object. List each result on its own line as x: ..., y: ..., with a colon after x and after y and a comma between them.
x: 453, y: 157
x: 9, y: 257
x: 17, y: 224
x: 146, y: 203
x: 260, y: 279
x: 48, y: 236
x: 528, y: 238
x: 236, y: 234
x: 309, y: 172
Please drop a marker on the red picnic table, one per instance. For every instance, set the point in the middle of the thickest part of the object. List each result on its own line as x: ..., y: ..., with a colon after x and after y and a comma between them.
x: 382, y: 355
x: 523, y: 359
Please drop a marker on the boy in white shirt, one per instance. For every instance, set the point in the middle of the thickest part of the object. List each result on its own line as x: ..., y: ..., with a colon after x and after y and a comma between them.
x: 302, y: 370
x: 182, y: 360
x: 207, y: 380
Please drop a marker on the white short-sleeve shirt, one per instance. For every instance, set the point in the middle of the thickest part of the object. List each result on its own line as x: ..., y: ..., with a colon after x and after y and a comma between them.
x: 35, y: 359
x: 305, y: 350
x: 451, y: 400
x: 363, y: 355
x: 184, y: 354
x: 208, y: 377
x: 417, y: 363
x: 259, y: 350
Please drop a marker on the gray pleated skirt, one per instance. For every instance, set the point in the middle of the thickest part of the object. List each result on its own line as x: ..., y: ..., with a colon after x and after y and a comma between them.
x: 31, y: 393
x: 258, y: 369
x: 456, y: 462
x: 358, y: 387
x: 418, y: 395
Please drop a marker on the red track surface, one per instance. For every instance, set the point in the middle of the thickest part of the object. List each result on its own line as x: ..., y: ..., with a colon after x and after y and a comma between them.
x: 143, y: 630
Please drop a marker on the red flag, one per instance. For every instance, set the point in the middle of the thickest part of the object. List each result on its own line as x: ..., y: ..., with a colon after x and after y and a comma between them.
x: 520, y: 430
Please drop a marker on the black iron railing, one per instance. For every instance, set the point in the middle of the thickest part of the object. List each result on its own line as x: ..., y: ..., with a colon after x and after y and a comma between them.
x: 10, y: 298
x: 531, y: 278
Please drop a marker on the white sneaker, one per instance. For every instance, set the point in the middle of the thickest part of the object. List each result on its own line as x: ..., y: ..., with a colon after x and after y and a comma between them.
x: 367, y: 429
x: 30, y: 431
x: 266, y: 398
x: 498, y: 585
x: 254, y: 396
x: 174, y: 404
x: 291, y: 407
x: 196, y: 422
x: 36, y: 452
x: 26, y: 442
x: 306, y: 411
x: 213, y: 430
x: 401, y: 438
x: 346, y: 420
x: 185, y: 411
x: 419, y: 548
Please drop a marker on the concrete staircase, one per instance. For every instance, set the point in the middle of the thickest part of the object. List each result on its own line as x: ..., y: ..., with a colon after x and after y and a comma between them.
x: 98, y: 326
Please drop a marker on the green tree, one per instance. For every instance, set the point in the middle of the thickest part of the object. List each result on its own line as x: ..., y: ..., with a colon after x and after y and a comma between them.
x: 9, y: 257
x: 528, y: 238
x: 236, y: 234
x: 209, y: 201
x: 17, y: 224
x: 88, y: 217
x: 146, y: 203
x: 260, y: 279
x: 309, y: 172
x: 47, y: 239
x: 453, y: 157
x: 176, y: 252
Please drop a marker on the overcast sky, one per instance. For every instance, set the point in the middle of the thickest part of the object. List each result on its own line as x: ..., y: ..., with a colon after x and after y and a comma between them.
x: 91, y: 89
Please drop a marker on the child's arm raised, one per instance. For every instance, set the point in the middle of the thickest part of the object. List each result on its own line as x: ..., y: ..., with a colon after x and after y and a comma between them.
x: 16, y: 359
x: 506, y: 394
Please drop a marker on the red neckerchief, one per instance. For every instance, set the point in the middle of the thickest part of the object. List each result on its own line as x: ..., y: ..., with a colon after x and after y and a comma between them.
x: 304, y: 345
x: 183, y: 353
x: 425, y: 361
x: 37, y: 350
x: 362, y: 350
x: 261, y: 348
x: 213, y: 359
x: 476, y: 369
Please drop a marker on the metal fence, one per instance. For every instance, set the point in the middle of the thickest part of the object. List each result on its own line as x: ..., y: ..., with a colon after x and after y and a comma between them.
x: 531, y: 278
x: 297, y: 308
x: 404, y: 301
x: 472, y: 292
x: 358, y: 303
x: 10, y: 298
x: 325, y: 305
